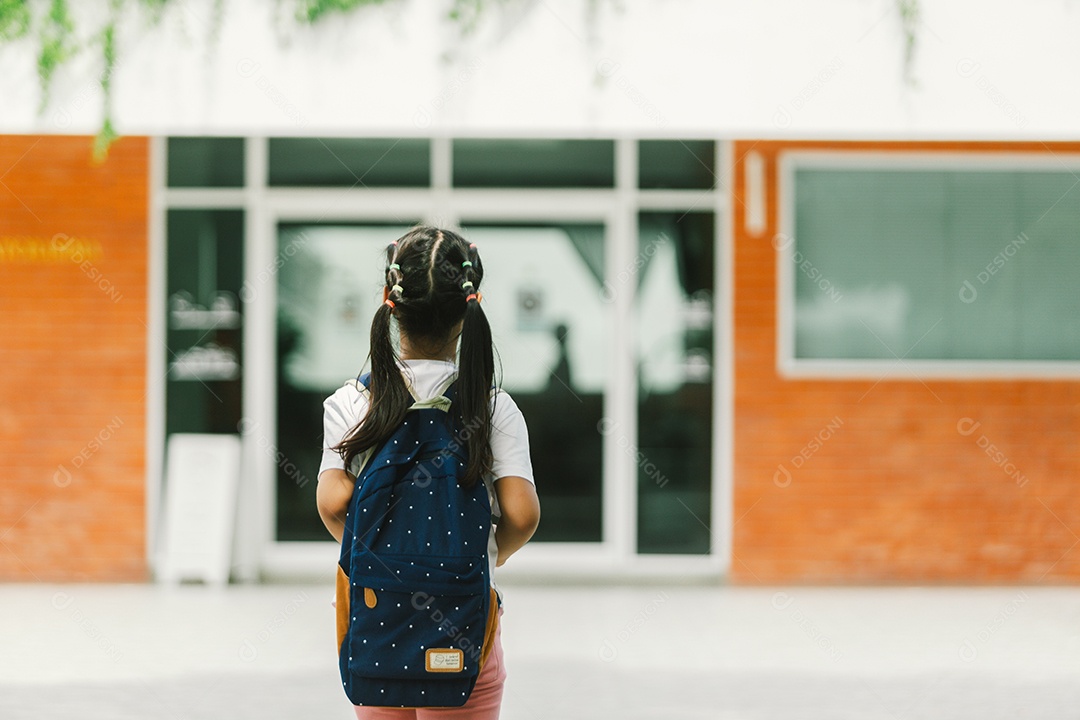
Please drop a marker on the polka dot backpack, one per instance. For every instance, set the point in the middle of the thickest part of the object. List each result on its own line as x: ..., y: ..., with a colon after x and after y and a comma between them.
x: 416, y: 613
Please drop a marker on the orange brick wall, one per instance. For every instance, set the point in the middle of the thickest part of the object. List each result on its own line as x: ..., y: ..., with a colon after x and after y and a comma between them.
x: 897, y: 493
x: 73, y: 343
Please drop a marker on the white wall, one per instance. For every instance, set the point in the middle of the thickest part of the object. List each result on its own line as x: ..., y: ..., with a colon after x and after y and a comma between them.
x: 830, y: 68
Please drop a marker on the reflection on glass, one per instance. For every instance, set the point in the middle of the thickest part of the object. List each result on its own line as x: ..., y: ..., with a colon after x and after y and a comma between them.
x: 935, y: 264
x: 204, y: 324
x: 329, y: 285
x: 552, y: 345
x: 550, y: 326
x: 674, y: 314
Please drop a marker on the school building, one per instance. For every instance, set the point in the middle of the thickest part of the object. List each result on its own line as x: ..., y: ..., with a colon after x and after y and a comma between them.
x: 760, y: 360
x: 785, y: 291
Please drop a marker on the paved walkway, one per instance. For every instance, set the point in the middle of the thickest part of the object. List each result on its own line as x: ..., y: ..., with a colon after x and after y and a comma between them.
x: 190, y: 653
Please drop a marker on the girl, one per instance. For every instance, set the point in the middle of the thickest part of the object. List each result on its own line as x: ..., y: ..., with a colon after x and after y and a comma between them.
x: 432, y: 289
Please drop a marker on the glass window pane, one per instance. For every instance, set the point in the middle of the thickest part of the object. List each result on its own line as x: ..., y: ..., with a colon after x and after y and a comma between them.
x: 328, y: 290
x: 350, y: 162
x: 550, y: 325
x: 674, y: 316
x: 205, y: 162
x: 204, y: 321
x: 935, y: 264
x: 677, y: 164
x: 534, y: 163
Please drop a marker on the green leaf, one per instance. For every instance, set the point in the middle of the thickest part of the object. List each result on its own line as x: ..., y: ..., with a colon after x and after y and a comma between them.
x: 104, y: 140
x: 909, y: 11
x: 107, y: 135
x: 14, y: 19
x: 311, y: 11
x: 57, y: 46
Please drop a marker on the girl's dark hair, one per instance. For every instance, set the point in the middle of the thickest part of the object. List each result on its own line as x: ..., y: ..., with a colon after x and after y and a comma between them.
x: 433, y: 279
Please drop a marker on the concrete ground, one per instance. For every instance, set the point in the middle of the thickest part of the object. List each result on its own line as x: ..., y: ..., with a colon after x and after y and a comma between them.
x: 731, y: 653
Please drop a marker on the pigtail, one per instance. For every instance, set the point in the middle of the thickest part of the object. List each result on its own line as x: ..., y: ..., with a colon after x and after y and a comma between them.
x: 476, y: 372
x: 390, y: 398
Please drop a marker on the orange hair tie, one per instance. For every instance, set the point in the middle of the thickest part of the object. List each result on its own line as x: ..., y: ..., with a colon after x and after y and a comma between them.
x: 474, y: 296
x: 389, y: 302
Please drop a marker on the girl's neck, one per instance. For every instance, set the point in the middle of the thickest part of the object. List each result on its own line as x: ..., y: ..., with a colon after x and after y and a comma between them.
x: 447, y: 353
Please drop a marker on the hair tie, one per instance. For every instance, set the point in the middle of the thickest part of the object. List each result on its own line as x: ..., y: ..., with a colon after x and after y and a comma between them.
x: 397, y: 289
x: 393, y: 242
x: 467, y: 263
x: 389, y: 302
x: 394, y: 266
x: 467, y: 284
x: 473, y: 296
x: 472, y: 246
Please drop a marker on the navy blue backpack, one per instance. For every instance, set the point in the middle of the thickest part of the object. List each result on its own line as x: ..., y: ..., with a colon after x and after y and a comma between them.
x: 416, y: 613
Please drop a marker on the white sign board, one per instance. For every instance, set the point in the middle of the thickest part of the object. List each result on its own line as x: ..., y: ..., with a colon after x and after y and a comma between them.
x: 201, y: 478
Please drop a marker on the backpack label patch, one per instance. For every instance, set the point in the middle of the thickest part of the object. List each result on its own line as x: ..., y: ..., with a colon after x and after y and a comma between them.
x: 444, y: 660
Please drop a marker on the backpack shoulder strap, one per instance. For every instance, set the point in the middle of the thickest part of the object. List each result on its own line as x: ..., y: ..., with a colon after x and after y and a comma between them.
x: 361, y: 383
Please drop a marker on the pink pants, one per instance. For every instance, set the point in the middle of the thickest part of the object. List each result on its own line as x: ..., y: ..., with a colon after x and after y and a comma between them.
x: 483, y: 704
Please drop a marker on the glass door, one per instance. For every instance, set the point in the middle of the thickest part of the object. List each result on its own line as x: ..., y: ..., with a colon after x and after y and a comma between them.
x: 549, y: 321
x: 542, y: 295
x: 674, y: 311
x: 328, y: 290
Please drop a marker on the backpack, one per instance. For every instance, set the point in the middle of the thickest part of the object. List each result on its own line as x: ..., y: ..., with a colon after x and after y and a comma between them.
x: 416, y: 613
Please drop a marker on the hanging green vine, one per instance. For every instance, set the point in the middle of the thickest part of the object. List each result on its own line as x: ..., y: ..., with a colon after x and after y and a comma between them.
x: 14, y: 19
x: 311, y: 11
x: 909, y: 21
x: 57, y: 46
x: 107, y: 135
x: 56, y: 35
x: 467, y: 14
x: 155, y: 9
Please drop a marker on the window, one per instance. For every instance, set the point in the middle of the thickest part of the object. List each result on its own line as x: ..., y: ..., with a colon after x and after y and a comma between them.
x: 328, y: 291
x: 204, y: 314
x: 674, y: 311
x: 939, y: 260
x: 350, y: 162
x: 549, y: 322
x: 205, y: 162
x: 676, y: 164
x: 534, y: 163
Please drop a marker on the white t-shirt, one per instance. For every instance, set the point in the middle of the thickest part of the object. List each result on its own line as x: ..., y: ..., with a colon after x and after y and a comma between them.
x: 509, y: 435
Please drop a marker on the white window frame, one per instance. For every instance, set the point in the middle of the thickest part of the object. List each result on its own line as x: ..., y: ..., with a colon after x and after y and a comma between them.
x: 258, y: 554
x: 788, y: 365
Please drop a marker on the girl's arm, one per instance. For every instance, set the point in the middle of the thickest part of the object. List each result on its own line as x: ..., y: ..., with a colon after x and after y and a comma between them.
x: 332, y: 497
x: 520, y: 515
